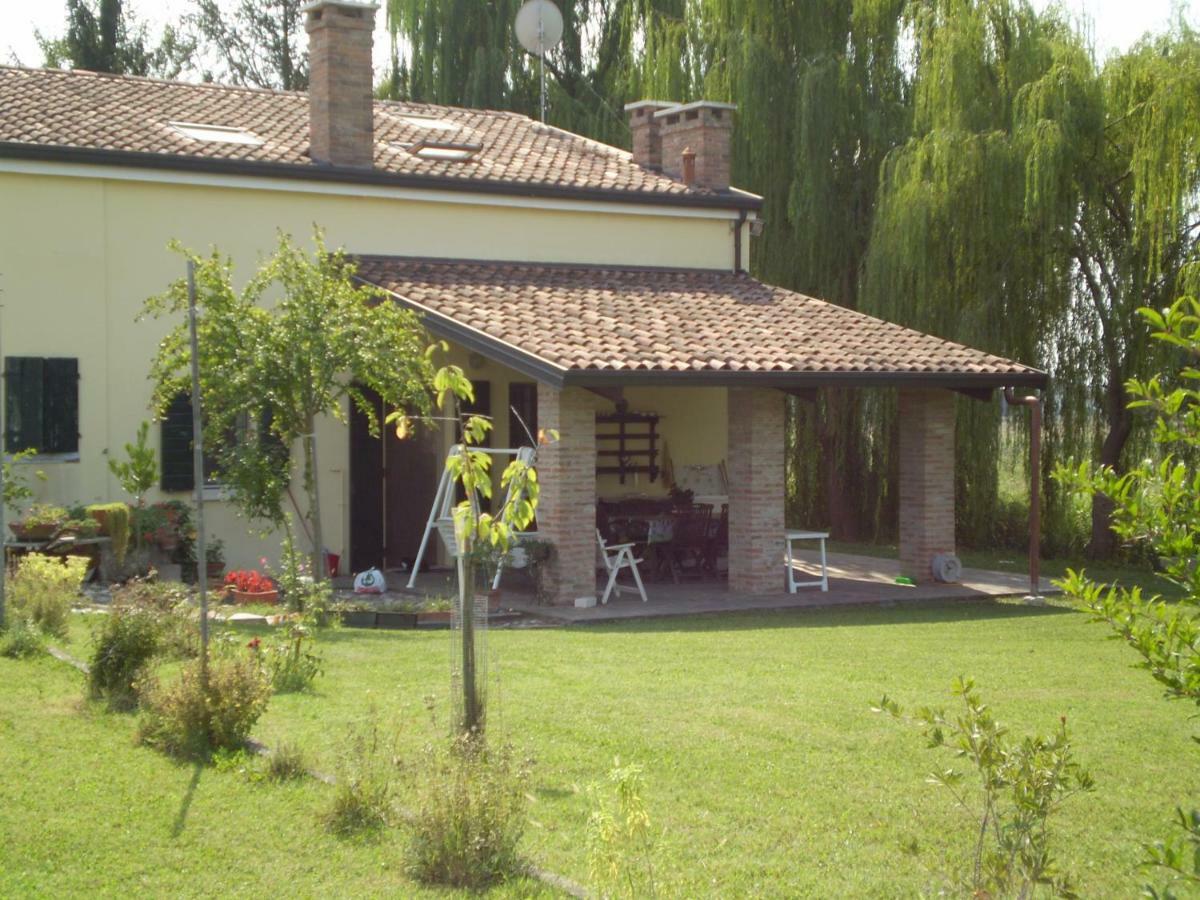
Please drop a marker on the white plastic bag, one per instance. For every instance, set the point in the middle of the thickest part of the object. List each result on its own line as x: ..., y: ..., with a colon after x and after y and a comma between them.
x: 369, y: 582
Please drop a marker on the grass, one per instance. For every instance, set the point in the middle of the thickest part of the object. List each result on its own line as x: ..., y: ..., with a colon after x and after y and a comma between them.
x: 766, y: 773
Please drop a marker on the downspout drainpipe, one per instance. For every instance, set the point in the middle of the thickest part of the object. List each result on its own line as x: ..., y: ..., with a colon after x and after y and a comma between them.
x: 737, y: 241
x: 1035, y: 487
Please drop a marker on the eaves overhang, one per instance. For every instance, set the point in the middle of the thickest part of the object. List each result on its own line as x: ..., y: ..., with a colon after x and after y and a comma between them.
x: 732, y: 200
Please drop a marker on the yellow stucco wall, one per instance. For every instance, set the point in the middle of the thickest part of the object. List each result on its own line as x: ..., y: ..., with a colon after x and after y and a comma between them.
x: 78, y: 256
x: 692, y: 426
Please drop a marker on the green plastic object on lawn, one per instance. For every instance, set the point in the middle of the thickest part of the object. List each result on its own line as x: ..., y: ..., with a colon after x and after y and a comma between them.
x: 905, y: 580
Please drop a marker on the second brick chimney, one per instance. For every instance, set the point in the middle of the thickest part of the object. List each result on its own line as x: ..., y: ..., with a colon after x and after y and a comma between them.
x: 340, y: 91
x: 704, y: 127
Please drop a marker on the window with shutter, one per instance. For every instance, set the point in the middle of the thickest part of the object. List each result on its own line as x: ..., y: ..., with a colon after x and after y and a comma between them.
x: 41, y: 404
x: 176, y: 446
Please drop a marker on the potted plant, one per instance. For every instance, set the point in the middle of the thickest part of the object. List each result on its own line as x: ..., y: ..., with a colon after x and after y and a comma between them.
x: 114, y: 523
x: 251, y: 586
x: 175, y: 520
x: 214, y: 558
x: 82, y: 527
x: 40, y: 523
x: 396, y: 616
x: 357, y: 616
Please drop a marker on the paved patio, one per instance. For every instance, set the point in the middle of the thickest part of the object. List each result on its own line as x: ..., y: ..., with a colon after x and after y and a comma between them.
x: 853, y: 580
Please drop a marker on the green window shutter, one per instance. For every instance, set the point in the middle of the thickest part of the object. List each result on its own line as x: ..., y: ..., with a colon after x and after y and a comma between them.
x: 24, y: 385
x: 60, y: 406
x: 269, y: 440
x: 176, y: 446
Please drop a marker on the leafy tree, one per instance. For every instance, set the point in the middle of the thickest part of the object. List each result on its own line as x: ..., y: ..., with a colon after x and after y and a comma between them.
x: 271, y: 368
x: 102, y: 37
x: 472, y: 469
x: 1156, y: 505
x: 259, y: 44
x: 1040, y: 200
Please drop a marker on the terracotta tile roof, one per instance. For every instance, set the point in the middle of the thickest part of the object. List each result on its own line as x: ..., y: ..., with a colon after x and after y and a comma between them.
x: 85, y: 111
x: 575, y: 323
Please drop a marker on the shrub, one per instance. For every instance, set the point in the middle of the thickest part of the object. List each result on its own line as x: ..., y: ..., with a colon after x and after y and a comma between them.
x: 21, y: 639
x: 362, y: 800
x: 42, y: 588
x: 191, y: 719
x: 470, y: 815
x: 286, y: 763
x: 171, y: 609
x: 620, y: 845
x: 1021, y: 785
x: 125, y: 641
x: 288, y: 663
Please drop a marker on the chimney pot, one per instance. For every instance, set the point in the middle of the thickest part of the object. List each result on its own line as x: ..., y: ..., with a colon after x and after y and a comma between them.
x: 704, y: 129
x: 689, y: 166
x: 341, y: 105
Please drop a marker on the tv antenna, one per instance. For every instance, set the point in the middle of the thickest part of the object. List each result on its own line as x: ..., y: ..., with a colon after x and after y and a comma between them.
x: 539, y: 27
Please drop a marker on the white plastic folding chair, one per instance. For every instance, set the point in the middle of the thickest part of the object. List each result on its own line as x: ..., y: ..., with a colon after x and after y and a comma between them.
x: 617, y: 557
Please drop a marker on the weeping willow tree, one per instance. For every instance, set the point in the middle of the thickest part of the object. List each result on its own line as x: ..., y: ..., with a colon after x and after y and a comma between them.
x: 1038, y: 203
x: 464, y: 53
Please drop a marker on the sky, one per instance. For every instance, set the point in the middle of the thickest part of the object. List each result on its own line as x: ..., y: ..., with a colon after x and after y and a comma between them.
x: 1115, y: 23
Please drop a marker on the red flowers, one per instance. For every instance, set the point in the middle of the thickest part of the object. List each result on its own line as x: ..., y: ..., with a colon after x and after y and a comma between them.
x: 249, y: 581
x: 254, y: 644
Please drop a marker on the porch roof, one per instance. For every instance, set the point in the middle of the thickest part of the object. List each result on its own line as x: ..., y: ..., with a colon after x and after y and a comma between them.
x: 599, y: 325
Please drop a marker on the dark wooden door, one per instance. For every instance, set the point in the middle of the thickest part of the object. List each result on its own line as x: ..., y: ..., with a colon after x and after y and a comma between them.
x: 412, y: 469
x: 366, y: 494
x: 392, y: 484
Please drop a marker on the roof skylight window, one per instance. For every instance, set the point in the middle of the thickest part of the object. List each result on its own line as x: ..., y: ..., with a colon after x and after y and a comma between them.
x: 444, y: 150
x: 433, y: 123
x: 225, y: 134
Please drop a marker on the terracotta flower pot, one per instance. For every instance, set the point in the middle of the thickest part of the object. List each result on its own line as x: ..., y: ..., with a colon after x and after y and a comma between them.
x: 214, y: 570
x: 244, y: 597
x: 41, y: 532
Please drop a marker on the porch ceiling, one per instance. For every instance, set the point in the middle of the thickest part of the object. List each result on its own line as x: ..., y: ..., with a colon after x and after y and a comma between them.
x: 598, y: 325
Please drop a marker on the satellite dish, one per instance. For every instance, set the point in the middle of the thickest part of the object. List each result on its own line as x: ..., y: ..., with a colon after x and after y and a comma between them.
x: 539, y: 26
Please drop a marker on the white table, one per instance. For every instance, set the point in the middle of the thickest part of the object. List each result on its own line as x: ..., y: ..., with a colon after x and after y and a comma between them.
x: 791, y: 536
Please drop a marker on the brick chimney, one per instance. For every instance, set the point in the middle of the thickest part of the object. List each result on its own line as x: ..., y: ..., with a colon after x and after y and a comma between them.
x: 705, y: 128
x: 647, y: 142
x: 340, y: 90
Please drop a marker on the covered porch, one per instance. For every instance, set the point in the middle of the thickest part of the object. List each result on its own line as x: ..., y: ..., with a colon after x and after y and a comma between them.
x: 599, y: 340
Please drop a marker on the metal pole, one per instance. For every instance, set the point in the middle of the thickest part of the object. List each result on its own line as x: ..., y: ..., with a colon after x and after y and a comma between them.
x: 542, y: 61
x: 198, y: 471
x: 1035, y: 488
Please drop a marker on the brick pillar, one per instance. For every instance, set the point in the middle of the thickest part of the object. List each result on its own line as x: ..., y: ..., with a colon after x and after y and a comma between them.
x: 567, y: 505
x: 756, y: 491
x: 926, y: 419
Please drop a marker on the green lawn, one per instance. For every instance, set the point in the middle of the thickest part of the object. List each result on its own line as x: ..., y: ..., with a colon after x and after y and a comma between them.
x: 765, y: 770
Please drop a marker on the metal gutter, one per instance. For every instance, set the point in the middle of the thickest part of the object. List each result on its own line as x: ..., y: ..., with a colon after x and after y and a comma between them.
x: 724, y: 378
x: 342, y: 175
